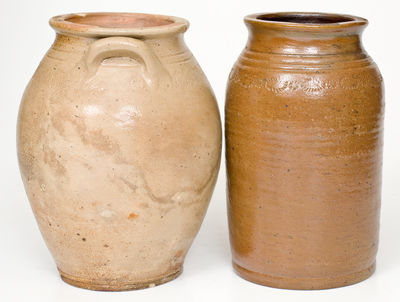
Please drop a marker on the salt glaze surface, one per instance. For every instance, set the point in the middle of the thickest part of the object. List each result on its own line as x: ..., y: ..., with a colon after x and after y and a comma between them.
x: 304, y: 134
x: 119, y: 142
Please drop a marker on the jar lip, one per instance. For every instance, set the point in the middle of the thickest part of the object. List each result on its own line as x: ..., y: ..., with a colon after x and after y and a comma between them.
x: 101, y: 24
x: 309, y: 21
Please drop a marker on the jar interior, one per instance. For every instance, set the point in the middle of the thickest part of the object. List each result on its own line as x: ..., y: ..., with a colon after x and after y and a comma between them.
x: 119, y: 20
x: 305, y: 18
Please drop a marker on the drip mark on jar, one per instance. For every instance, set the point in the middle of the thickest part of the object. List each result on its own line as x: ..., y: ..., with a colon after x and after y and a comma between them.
x: 132, y: 216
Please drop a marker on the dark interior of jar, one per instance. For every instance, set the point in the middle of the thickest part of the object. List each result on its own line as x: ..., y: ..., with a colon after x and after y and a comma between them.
x: 119, y: 20
x: 313, y: 19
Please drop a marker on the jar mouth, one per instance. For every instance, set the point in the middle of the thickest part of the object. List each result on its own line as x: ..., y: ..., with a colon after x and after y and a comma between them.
x: 305, y: 20
x: 118, y: 24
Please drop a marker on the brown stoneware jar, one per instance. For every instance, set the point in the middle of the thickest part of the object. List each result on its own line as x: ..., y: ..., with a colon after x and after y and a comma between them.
x: 119, y: 141
x: 304, y: 121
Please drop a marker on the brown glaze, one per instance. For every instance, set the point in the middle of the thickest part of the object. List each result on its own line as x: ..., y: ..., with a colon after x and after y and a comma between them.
x: 304, y: 122
x: 119, y: 142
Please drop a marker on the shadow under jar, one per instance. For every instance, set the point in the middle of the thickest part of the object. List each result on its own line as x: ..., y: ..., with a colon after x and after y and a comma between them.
x: 119, y: 143
x: 304, y: 134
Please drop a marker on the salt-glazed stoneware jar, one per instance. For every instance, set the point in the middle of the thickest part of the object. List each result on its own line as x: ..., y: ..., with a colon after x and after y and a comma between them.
x: 304, y: 121
x: 119, y: 141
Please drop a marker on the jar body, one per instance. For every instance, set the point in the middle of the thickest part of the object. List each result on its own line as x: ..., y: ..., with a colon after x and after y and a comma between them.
x: 119, y: 168
x: 304, y: 155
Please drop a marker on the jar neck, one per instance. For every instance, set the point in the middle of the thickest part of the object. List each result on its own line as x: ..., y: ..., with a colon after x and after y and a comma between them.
x: 171, y: 48
x: 317, y: 36
x: 282, y: 43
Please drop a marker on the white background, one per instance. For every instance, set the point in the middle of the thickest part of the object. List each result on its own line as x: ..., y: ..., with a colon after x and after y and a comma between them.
x: 216, y: 37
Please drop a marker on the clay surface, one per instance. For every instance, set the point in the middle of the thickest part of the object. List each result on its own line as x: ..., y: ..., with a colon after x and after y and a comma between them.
x: 304, y: 122
x: 119, y: 142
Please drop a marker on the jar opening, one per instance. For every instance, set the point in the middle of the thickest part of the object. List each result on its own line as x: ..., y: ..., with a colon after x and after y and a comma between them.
x: 119, y: 20
x: 307, y: 22
x: 118, y: 24
x: 305, y: 19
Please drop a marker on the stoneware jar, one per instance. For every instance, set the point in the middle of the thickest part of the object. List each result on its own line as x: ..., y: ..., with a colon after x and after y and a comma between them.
x: 304, y: 121
x: 119, y: 141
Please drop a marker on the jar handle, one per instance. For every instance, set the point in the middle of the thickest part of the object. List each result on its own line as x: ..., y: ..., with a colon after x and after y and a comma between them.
x: 110, y: 47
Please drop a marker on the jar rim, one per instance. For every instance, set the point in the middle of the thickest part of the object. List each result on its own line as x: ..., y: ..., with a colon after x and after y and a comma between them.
x: 308, y: 21
x: 102, y: 24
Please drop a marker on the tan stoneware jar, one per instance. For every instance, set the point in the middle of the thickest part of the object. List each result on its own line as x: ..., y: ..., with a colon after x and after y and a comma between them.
x: 119, y: 141
x: 304, y: 121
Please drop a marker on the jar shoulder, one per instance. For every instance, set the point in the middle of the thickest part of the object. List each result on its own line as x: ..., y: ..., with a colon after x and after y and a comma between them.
x: 305, y: 81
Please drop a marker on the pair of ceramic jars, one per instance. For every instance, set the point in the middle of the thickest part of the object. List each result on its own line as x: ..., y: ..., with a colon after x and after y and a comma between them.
x: 119, y: 143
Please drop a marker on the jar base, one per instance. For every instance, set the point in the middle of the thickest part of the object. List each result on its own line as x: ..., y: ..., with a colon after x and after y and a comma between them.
x: 304, y: 283
x: 100, y: 285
